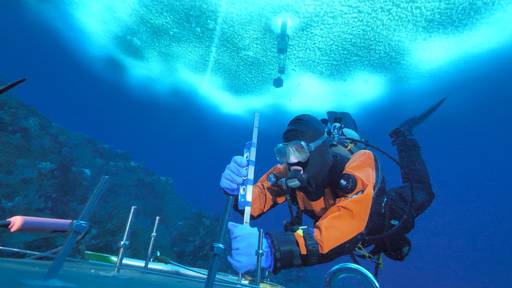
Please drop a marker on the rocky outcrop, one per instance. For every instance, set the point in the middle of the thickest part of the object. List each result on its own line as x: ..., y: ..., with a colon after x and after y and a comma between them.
x: 47, y: 171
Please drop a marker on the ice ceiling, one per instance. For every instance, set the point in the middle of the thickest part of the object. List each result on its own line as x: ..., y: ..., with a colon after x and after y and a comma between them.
x: 341, y: 54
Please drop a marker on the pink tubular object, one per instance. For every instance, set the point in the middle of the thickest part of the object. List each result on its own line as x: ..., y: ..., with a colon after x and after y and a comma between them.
x: 37, y: 224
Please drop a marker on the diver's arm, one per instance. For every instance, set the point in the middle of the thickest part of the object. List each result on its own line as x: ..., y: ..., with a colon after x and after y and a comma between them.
x: 262, y: 194
x: 337, y: 232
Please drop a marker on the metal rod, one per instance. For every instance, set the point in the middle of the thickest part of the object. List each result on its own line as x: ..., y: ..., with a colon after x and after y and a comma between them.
x: 86, y: 213
x: 218, y: 247
x: 11, y: 85
x: 125, y: 243
x: 78, y: 227
x: 34, y: 254
x: 23, y: 251
x: 151, y: 242
x: 259, y: 256
x: 267, y: 276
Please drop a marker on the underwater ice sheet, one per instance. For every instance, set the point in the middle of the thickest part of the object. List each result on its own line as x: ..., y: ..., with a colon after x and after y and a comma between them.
x: 343, y: 53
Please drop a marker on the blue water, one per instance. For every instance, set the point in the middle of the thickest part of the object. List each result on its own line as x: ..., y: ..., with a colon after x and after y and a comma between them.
x: 461, y: 241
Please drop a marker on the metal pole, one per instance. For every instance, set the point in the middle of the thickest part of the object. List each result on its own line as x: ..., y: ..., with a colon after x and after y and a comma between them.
x: 259, y: 256
x: 151, y: 242
x: 244, y: 202
x: 218, y: 247
x: 267, y: 276
x: 125, y: 243
x: 78, y: 227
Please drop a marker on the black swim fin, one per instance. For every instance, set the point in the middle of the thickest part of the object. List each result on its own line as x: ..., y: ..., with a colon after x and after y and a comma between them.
x: 11, y: 85
x: 407, y: 126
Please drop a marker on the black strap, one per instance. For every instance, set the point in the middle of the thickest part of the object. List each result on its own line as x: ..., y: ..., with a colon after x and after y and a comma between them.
x: 312, y: 256
x: 286, y: 252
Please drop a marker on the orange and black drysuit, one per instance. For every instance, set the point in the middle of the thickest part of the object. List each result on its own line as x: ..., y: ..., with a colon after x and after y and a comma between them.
x: 345, y: 216
x: 340, y: 218
x: 343, y: 221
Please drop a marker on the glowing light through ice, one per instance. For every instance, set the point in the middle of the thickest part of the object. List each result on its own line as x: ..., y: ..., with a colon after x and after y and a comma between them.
x: 291, y: 22
x: 339, y: 58
x: 102, y: 20
x: 494, y: 32
x: 306, y: 92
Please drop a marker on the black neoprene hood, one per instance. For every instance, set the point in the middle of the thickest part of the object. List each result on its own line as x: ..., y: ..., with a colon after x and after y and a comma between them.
x: 309, y: 129
x: 304, y: 127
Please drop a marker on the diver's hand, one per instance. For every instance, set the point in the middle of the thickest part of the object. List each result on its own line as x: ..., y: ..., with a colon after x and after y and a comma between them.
x: 234, y: 175
x: 244, y: 242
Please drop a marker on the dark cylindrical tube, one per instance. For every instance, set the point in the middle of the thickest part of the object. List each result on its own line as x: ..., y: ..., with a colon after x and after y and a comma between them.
x: 218, y: 247
x: 79, y: 227
x: 259, y: 256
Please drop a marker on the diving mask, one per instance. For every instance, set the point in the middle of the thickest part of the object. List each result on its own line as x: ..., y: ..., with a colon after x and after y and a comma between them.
x: 296, y: 151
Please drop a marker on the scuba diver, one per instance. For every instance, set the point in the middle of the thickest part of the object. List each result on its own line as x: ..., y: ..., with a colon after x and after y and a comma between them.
x: 325, y: 172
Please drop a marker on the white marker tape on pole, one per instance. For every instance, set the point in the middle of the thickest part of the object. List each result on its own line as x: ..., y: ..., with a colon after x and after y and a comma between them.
x: 245, y: 194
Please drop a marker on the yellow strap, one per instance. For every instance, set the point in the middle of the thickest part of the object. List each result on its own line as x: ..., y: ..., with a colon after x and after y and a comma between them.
x: 361, y: 250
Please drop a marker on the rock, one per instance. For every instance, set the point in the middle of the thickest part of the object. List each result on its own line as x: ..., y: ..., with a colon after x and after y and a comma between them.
x: 49, y: 172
